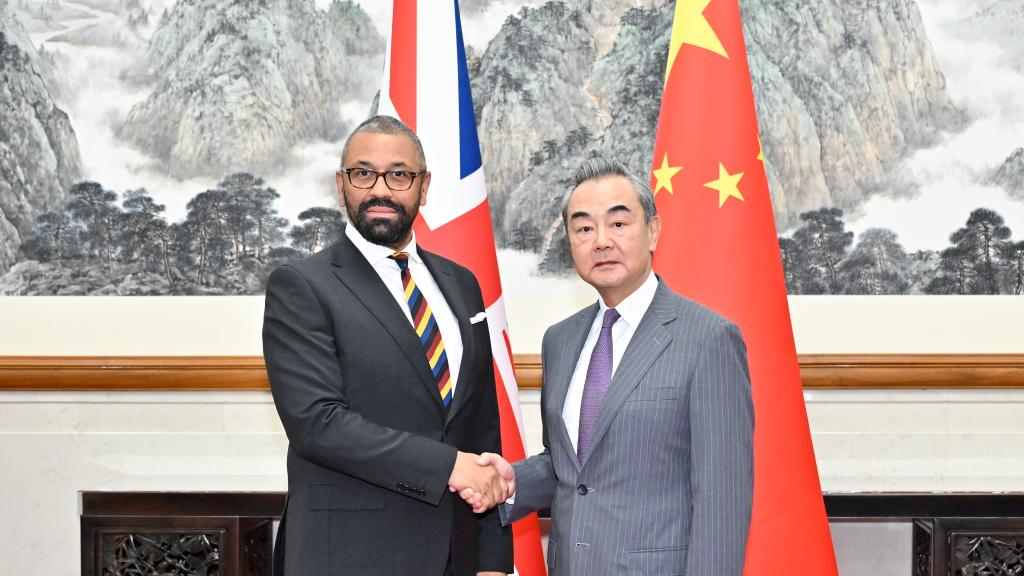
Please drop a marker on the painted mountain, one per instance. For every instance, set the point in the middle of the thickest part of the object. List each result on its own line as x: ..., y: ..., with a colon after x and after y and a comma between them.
x: 239, y: 83
x: 39, y: 156
x: 839, y: 107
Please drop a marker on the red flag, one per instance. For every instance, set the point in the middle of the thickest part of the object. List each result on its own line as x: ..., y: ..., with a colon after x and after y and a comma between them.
x: 718, y: 246
x: 426, y: 85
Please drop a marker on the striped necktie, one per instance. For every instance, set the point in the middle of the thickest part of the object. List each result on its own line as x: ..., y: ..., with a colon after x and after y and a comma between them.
x: 426, y: 328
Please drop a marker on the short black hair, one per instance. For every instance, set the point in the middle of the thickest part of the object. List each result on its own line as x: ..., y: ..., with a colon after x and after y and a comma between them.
x: 383, y: 124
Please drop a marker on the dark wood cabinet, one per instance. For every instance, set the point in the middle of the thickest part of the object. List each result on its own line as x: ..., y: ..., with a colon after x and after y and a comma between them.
x: 960, y: 534
x: 231, y: 533
x: 178, y: 534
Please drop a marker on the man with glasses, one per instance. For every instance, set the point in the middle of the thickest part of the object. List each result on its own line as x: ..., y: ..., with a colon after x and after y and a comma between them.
x: 380, y: 366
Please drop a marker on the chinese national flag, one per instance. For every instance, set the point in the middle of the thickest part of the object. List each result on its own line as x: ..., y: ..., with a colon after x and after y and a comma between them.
x: 719, y: 247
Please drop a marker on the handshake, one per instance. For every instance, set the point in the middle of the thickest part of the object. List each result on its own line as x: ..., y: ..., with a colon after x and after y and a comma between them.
x: 483, y: 481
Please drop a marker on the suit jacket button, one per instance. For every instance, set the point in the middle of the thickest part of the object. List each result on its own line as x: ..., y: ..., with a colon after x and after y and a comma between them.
x: 582, y: 490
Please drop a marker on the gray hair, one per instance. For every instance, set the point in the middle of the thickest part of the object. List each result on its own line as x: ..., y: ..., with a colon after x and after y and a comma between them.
x: 597, y: 168
x: 382, y: 124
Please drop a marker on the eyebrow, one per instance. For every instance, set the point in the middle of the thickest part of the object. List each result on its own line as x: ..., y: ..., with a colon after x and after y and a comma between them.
x: 613, y: 210
x: 392, y: 166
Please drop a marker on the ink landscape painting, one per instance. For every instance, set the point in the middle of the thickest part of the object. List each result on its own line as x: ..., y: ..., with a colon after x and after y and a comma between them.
x: 187, y: 147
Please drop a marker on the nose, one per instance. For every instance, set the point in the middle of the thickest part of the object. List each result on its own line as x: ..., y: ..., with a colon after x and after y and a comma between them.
x: 602, y: 240
x: 380, y: 188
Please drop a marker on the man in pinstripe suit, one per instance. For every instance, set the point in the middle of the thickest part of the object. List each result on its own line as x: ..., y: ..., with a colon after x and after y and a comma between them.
x: 648, y: 419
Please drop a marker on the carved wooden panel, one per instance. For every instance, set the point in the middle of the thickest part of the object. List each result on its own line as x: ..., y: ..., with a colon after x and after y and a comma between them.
x: 257, y: 547
x: 921, y: 551
x: 179, y: 545
x: 986, y: 554
x: 160, y: 553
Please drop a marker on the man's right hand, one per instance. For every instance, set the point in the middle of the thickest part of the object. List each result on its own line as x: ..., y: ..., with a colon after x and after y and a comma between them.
x: 484, y: 481
x: 504, y: 469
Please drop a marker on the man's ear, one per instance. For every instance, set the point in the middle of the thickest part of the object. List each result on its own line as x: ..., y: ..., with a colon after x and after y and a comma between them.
x: 423, y: 188
x: 339, y: 178
x: 655, y: 229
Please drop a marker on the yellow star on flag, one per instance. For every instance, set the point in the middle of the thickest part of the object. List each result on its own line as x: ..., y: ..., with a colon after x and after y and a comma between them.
x: 691, y: 27
x: 664, y: 176
x: 727, y: 185
x: 760, y: 150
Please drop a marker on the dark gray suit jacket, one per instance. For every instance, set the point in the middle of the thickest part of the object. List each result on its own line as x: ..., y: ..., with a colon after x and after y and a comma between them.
x: 667, y: 486
x: 371, y: 446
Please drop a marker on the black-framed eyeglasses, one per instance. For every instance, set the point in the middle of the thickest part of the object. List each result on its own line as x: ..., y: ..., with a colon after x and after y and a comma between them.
x: 365, y: 178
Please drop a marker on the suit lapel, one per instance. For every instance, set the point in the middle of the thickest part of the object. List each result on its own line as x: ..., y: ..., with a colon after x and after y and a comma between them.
x: 648, y: 342
x: 562, y: 370
x: 446, y: 282
x: 352, y: 269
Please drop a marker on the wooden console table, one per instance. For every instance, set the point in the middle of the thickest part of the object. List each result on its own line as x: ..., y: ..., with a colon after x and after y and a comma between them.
x: 231, y: 533
x: 955, y: 534
x: 178, y: 534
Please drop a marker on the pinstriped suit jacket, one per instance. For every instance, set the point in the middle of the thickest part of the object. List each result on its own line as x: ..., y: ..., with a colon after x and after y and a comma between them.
x: 667, y: 486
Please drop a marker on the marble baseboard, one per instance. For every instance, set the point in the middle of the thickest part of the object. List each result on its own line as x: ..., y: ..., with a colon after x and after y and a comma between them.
x: 873, y: 549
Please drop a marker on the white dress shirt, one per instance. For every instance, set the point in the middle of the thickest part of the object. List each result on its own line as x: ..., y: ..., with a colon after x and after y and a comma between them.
x: 631, y: 310
x: 391, y: 275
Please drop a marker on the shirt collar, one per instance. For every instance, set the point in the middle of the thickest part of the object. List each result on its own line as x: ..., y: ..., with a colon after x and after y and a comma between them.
x: 634, y: 306
x: 375, y: 253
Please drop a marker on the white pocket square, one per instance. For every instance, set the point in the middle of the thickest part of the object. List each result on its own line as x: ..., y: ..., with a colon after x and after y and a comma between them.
x: 480, y: 317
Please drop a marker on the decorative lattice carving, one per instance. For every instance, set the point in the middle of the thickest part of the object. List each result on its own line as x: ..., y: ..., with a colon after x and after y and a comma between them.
x: 178, y: 553
x: 987, y: 555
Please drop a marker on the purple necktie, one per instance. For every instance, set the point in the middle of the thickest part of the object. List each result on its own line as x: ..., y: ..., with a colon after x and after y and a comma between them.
x: 599, y: 376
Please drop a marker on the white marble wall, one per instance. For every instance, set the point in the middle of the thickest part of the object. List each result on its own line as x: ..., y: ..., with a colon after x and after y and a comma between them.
x: 917, y: 440
x: 54, y: 445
